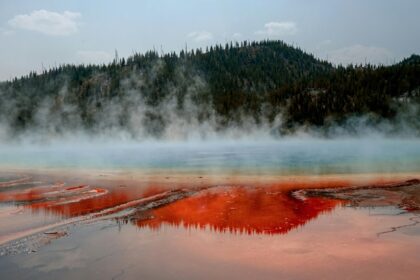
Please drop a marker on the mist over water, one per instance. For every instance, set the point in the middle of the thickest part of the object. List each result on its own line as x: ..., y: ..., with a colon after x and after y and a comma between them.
x: 184, y: 107
x: 282, y: 156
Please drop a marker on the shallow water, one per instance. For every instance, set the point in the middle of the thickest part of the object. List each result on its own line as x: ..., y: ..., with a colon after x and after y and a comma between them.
x: 289, y: 156
x: 290, y: 210
x: 342, y: 243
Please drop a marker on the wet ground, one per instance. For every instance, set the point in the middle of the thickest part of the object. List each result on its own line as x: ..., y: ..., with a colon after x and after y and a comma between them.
x: 131, y: 225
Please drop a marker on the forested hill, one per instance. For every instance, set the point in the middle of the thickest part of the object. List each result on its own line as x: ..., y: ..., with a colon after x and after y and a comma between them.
x: 223, y: 86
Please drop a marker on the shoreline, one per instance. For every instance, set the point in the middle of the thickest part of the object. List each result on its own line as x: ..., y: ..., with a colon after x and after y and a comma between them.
x: 164, y: 176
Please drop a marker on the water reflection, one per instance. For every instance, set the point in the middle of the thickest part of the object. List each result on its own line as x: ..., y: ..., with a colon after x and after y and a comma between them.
x: 258, y: 210
x: 245, y: 208
x: 260, y: 215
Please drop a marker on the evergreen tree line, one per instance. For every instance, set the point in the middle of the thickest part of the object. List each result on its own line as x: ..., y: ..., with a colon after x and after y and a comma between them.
x: 230, y: 85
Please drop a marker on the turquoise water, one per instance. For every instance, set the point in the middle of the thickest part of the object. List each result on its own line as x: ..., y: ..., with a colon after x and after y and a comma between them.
x: 312, y: 156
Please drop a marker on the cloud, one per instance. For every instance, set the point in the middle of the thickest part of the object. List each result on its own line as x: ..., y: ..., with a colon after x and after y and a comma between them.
x: 324, y: 44
x: 237, y: 36
x: 46, y: 22
x: 274, y: 29
x: 200, y: 36
x: 94, y: 57
x: 6, y: 32
x: 359, y: 54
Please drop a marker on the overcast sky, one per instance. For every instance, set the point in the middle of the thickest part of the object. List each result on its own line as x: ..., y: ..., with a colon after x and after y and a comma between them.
x: 44, y: 33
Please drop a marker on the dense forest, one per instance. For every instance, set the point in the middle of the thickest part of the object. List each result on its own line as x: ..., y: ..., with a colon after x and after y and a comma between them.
x: 239, y: 85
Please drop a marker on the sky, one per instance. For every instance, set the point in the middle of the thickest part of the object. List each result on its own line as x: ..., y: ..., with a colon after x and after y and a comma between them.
x: 37, y: 35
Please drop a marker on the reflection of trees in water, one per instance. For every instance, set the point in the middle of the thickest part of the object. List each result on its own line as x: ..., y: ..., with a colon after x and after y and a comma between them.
x: 260, y: 209
x: 239, y: 210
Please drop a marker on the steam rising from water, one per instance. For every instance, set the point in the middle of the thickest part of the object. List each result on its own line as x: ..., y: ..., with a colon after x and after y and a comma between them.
x: 185, y: 112
x: 182, y: 110
x: 131, y: 131
x: 292, y: 155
